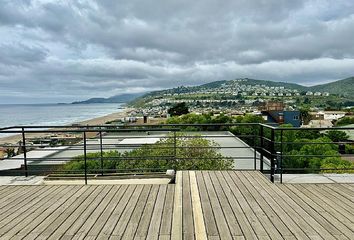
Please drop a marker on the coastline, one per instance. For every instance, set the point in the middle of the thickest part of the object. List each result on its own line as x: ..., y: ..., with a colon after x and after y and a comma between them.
x: 14, y: 139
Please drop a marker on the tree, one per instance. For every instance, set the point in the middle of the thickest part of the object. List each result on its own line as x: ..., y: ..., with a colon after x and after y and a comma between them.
x: 179, y: 109
x: 305, y: 115
x: 10, y: 152
x: 310, y: 155
x: 345, y: 121
x: 191, y: 152
x: 337, y: 136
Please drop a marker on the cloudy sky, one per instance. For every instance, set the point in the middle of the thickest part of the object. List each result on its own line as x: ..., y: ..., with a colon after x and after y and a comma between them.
x: 60, y: 51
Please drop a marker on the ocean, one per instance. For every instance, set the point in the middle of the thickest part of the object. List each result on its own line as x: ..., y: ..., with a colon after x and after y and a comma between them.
x: 53, y: 114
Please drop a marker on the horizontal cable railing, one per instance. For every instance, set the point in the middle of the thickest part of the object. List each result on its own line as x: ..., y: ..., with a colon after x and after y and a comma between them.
x: 115, y: 149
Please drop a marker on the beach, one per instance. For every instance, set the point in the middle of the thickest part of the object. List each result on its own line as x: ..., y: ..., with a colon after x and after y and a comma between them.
x: 14, y: 139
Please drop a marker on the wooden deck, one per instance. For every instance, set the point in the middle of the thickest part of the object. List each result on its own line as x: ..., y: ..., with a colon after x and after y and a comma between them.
x: 201, y: 205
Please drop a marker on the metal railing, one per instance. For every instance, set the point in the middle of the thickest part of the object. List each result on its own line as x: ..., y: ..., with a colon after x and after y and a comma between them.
x: 250, y: 146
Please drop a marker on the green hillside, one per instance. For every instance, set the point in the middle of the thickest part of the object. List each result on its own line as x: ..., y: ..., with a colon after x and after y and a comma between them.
x: 344, y: 87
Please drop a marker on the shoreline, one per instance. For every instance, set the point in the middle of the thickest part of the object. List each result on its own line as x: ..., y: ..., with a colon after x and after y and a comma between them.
x: 14, y: 139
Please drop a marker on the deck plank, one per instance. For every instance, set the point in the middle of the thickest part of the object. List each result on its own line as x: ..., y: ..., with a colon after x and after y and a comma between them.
x: 86, y: 213
x: 32, y: 229
x: 328, y: 208
x: 169, y: 213
x: 286, y: 219
x: 143, y: 227
x: 246, y: 202
x: 188, y: 222
x: 85, y: 228
x: 266, y: 215
x: 60, y: 216
x: 314, y: 229
x: 103, y: 219
x: 245, y: 225
x: 131, y: 228
x: 341, y: 196
x: 20, y: 222
x: 13, y: 203
x: 11, y: 191
x: 113, y: 219
x: 201, y: 205
x: 332, y: 201
x: 231, y: 220
x: 14, y: 215
x: 121, y: 225
x: 156, y: 218
x: 316, y: 211
x: 342, y: 190
x: 76, y: 213
x: 209, y: 218
x: 223, y: 228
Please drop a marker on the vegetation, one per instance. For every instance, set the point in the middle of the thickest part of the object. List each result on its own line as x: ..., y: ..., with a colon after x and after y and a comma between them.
x: 337, y: 136
x: 191, y: 153
x: 312, y: 151
x: 179, y: 109
x: 10, y: 152
x: 345, y: 121
x: 341, y: 93
x: 245, y: 131
x: 344, y: 87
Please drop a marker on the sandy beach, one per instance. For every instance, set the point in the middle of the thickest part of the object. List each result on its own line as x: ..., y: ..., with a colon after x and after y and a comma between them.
x: 14, y: 139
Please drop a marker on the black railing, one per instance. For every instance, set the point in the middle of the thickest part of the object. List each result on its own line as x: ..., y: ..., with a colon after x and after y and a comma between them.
x: 83, y: 152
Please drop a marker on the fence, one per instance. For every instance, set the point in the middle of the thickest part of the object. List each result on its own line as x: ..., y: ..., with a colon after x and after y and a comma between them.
x: 85, y: 152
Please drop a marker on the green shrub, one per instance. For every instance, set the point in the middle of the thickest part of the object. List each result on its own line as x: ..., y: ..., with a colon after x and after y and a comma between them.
x: 192, y: 152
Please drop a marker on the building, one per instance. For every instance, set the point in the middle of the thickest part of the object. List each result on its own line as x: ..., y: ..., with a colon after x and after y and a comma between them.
x: 319, y: 123
x: 283, y: 117
x: 327, y: 115
x: 273, y: 112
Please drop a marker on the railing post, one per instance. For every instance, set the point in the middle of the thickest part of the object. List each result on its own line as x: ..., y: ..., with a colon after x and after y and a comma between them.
x: 261, y: 135
x: 24, y: 151
x: 175, y: 150
x: 85, y: 157
x: 272, y: 156
x: 101, y: 150
x: 281, y: 156
x: 255, y: 152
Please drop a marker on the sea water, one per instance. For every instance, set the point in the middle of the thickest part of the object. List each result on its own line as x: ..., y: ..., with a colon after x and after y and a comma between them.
x: 53, y: 114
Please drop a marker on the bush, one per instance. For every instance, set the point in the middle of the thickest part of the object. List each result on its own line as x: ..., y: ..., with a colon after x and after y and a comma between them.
x: 191, y: 153
x: 345, y: 121
x: 337, y: 136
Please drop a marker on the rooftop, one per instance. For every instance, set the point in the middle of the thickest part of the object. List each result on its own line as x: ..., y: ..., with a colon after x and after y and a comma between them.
x: 200, y: 205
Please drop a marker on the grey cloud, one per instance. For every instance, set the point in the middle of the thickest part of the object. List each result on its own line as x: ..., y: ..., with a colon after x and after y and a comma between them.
x: 19, y: 54
x: 72, y: 49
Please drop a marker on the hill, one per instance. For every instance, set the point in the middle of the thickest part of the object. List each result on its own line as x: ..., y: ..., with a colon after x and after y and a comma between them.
x: 344, y: 87
x: 341, y: 87
x: 122, y: 98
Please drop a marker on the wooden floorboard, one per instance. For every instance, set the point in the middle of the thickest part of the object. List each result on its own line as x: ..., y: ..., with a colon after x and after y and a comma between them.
x: 221, y: 223
x: 188, y: 223
x: 201, y: 205
x: 311, y: 227
x: 113, y: 219
x: 168, y: 212
x: 156, y: 217
x: 23, y: 210
x: 329, y: 222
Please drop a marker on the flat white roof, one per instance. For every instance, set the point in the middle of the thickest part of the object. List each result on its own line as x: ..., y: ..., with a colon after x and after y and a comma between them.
x: 134, y: 141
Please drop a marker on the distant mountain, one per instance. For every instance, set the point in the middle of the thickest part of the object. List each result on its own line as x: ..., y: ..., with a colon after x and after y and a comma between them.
x: 248, y: 81
x: 343, y: 87
x: 122, y: 98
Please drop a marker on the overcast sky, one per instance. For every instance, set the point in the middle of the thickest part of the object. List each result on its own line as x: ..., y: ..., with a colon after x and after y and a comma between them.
x: 60, y: 51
